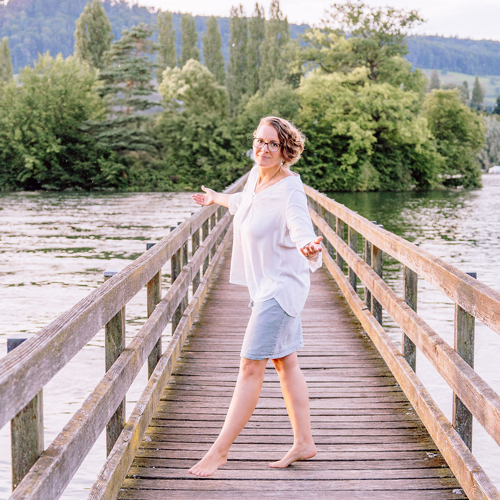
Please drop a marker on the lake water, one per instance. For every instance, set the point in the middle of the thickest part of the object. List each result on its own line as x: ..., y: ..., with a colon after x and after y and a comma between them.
x: 55, y: 248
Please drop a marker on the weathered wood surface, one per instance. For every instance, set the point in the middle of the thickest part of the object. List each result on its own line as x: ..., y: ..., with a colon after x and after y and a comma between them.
x: 371, y: 444
x: 474, y: 392
x: 25, y: 371
x: 56, y: 466
x: 471, y: 476
x: 475, y: 297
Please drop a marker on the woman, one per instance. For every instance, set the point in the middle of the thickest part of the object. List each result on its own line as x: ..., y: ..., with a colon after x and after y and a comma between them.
x: 274, y: 247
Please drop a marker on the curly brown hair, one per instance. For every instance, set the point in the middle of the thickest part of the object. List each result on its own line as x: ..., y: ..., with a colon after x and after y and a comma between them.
x: 291, y: 138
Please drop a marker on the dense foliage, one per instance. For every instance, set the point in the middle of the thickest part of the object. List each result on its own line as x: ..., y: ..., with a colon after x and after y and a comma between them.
x: 42, y: 144
x: 364, y: 110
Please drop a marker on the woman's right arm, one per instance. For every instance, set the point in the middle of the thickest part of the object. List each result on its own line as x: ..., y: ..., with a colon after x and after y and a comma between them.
x: 210, y: 197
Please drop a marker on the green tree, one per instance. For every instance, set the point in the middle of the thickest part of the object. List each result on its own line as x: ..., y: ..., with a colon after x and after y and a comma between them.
x: 127, y: 85
x: 189, y: 39
x: 198, y: 142
x: 167, y: 57
x: 434, y: 82
x: 212, y: 43
x: 489, y: 156
x: 363, y: 135
x: 93, y: 34
x: 42, y: 143
x: 256, y: 34
x: 193, y: 89
x: 496, y: 110
x: 477, y: 98
x: 459, y: 134
x: 6, y: 69
x: 355, y: 35
x: 237, y: 67
x: 277, y: 36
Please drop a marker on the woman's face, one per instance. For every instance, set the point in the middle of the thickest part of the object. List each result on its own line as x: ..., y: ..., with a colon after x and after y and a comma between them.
x: 264, y: 157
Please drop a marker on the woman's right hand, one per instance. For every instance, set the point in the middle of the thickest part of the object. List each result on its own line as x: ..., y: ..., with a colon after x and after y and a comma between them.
x: 205, y: 199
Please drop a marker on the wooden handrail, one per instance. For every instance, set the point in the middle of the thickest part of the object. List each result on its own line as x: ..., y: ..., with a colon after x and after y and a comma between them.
x: 52, y: 472
x: 27, y: 369
x: 475, y: 297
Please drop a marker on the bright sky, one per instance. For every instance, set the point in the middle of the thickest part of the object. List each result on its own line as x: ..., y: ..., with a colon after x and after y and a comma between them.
x: 477, y: 19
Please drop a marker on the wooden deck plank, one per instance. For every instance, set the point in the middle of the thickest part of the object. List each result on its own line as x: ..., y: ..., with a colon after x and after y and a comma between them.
x: 370, y: 441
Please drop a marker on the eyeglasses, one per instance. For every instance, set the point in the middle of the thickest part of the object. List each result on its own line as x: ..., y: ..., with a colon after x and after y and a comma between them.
x: 272, y: 146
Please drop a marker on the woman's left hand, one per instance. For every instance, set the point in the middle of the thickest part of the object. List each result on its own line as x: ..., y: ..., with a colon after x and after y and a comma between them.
x: 311, y: 250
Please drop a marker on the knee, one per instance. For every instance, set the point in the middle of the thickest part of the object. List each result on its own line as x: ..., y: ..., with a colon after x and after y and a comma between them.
x: 251, y: 368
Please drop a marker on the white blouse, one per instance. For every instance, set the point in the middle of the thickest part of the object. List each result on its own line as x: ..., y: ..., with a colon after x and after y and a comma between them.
x: 269, y: 229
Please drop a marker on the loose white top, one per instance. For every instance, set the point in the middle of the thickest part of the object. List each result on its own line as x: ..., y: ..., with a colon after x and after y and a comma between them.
x: 269, y: 229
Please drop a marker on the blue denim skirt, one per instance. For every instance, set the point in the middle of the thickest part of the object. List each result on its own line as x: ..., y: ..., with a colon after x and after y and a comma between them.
x: 271, y: 333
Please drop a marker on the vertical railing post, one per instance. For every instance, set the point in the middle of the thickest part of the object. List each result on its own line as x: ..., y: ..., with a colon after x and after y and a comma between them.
x: 368, y: 260
x: 340, y: 234
x: 185, y: 261
x: 176, y: 267
x: 331, y: 221
x: 352, y: 237
x: 213, y: 222
x: 153, y: 297
x: 464, y: 345
x: 410, y: 291
x: 114, y: 344
x: 195, y: 244
x: 26, y: 431
x: 377, y: 263
x: 205, y: 231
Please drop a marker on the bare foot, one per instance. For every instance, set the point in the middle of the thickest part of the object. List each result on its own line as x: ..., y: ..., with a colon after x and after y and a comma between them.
x: 297, y: 452
x: 208, y: 464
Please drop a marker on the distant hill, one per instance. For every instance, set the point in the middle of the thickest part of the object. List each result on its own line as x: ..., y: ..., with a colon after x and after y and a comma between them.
x: 472, y: 57
x: 37, y: 26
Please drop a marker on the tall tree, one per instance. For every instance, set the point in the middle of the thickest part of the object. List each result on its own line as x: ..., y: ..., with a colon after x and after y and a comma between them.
x: 434, y: 82
x: 127, y: 84
x: 256, y: 34
x: 277, y: 36
x: 477, y: 95
x: 189, y: 39
x: 6, y: 69
x: 93, y: 34
x: 212, y: 43
x: 496, y: 111
x: 167, y: 57
x: 236, y: 70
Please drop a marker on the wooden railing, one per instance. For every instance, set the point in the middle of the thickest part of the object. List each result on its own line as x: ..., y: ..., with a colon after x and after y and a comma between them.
x: 30, y: 366
x: 472, y: 395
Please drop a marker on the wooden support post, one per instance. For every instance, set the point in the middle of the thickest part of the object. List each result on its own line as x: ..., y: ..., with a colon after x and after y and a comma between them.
x: 352, y: 237
x: 377, y: 261
x: 340, y: 234
x: 331, y: 221
x: 464, y: 345
x: 114, y: 344
x: 205, y: 231
x: 185, y: 261
x: 176, y: 267
x: 410, y: 290
x: 368, y: 260
x: 213, y: 222
x: 26, y: 431
x: 153, y: 297
x: 195, y: 244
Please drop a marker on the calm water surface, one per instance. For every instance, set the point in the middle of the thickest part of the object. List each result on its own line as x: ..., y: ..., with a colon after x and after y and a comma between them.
x: 55, y: 248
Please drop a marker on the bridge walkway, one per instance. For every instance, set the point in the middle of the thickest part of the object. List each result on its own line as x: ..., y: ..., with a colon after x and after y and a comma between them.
x: 371, y: 444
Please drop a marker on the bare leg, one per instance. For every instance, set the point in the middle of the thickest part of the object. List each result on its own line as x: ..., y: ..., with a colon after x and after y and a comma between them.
x: 245, y: 397
x: 296, y: 396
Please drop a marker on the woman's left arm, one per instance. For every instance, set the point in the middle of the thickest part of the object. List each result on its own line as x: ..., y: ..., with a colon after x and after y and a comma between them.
x: 300, y: 226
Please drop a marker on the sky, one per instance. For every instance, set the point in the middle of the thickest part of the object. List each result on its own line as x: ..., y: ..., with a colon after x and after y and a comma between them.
x: 477, y: 19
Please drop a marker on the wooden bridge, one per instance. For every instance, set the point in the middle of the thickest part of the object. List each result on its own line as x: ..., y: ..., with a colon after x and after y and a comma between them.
x: 379, y: 433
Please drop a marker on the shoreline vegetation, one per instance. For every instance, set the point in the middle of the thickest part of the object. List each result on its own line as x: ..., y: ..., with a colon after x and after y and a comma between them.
x: 110, y: 118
